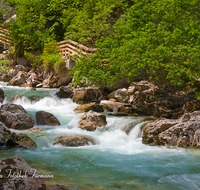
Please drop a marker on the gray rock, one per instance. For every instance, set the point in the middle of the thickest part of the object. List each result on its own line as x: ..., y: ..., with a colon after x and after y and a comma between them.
x: 27, y: 177
x: 10, y: 113
x: 122, y: 95
x: 20, y: 141
x: 46, y: 118
x: 87, y: 95
x: 73, y: 141
x: 91, y: 120
x: 183, y: 132
x: 19, y: 79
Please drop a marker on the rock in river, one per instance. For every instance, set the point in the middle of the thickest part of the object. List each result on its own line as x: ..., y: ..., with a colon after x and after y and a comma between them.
x: 87, y: 95
x: 17, y: 166
x: 73, y: 141
x: 46, y: 118
x: 91, y: 120
x: 20, y: 141
x: 182, y: 132
x: 11, y: 113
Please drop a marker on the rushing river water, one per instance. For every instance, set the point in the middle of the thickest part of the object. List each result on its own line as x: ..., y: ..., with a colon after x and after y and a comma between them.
x: 117, y: 161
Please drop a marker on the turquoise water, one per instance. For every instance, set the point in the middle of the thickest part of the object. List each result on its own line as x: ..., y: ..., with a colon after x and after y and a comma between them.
x: 117, y: 161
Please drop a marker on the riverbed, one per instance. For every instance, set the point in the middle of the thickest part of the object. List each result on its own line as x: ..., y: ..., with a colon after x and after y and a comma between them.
x: 116, y: 161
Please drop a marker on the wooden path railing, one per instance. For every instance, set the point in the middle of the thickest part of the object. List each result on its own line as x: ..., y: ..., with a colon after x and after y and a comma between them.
x: 70, y: 48
x: 5, y: 37
x: 66, y: 47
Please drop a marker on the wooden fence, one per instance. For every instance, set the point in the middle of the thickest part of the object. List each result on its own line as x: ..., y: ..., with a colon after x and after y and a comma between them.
x: 66, y: 47
x: 70, y: 48
x: 5, y: 37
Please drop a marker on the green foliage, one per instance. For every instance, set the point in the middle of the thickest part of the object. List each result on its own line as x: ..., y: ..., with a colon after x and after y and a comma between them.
x: 92, y: 20
x: 36, y: 22
x: 49, y: 59
x: 156, y: 40
x: 4, y: 66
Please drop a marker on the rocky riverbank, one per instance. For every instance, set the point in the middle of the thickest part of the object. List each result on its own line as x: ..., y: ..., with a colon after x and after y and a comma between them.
x: 176, y: 110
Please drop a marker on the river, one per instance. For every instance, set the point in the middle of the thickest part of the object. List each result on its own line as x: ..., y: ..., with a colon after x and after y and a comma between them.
x: 117, y: 161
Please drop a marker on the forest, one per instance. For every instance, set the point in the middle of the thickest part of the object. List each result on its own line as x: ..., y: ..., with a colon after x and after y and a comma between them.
x: 136, y: 39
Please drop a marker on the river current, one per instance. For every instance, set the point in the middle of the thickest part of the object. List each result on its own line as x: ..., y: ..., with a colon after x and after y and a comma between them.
x: 117, y: 161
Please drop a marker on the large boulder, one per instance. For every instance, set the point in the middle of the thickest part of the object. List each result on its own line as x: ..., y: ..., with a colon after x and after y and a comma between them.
x: 46, y: 118
x: 1, y: 95
x: 19, y: 79
x: 16, y: 174
x: 182, y: 132
x: 73, y: 141
x: 87, y: 107
x: 11, y: 113
x: 87, y: 95
x: 66, y: 92
x: 91, y: 120
x: 4, y: 133
x: 148, y: 99
x: 20, y: 141
x: 122, y: 95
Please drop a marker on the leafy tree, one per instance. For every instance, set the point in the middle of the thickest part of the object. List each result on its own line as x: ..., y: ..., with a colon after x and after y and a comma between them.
x: 36, y: 22
x: 157, y: 40
x: 92, y: 19
x: 49, y: 59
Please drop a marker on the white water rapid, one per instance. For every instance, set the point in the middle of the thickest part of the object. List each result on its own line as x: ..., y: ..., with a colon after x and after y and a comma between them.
x: 117, y: 161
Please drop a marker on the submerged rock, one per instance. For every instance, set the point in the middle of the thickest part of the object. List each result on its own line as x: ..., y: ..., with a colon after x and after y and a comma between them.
x: 91, y: 120
x: 11, y: 113
x: 183, y: 132
x: 87, y: 95
x: 58, y: 187
x: 34, y: 98
x: 13, y: 98
x: 87, y: 107
x: 73, y: 141
x: 46, y: 118
x: 20, y: 141
x: 36, y: 129
x: 29, y: 179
